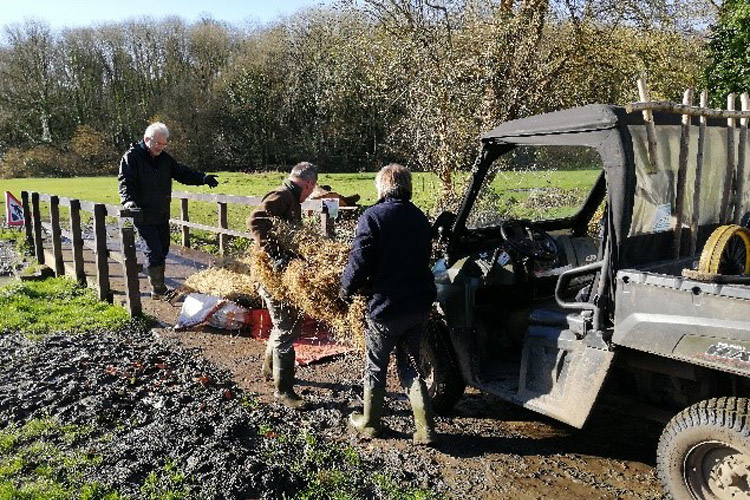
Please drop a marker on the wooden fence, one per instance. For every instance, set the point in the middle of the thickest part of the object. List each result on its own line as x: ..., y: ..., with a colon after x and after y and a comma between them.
x: 104, y: 248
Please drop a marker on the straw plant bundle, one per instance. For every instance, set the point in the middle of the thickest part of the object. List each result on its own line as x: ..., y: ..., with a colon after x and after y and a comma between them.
x: 232, y: 281
x: 311, y: 281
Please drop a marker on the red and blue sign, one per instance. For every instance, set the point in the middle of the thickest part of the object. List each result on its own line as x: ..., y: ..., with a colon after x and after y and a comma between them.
x: 13, y: 210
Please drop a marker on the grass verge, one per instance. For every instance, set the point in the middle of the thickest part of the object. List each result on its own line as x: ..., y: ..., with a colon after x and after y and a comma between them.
x: 37, y: 308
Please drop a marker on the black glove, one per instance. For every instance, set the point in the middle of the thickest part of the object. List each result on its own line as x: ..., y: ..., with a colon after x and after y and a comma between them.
x: 210, y: 180
x: 130, y: 205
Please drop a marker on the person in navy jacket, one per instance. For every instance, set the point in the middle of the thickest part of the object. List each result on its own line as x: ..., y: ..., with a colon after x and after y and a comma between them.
x: 390, y: 263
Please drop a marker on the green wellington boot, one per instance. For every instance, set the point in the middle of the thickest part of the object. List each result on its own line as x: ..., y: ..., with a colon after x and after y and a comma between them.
x: 367, y: 423
x: 283, y: 378
x: 424, y: 420
x: 156, y: 280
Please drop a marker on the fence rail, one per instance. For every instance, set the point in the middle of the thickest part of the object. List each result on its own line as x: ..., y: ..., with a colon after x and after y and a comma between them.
x: 127, y: 256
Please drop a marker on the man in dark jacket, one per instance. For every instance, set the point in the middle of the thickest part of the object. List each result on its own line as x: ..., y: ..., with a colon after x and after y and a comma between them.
x: 282, y: 203
x: 389, y: 262
x: 146, y: 173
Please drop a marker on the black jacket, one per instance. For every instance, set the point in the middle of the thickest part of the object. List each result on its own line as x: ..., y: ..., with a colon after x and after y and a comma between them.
x: 391, y: 256
x: 148, y: 181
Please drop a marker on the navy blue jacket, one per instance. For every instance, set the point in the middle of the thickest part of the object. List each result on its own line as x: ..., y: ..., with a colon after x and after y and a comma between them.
x: 148, y: 181
x: 390, y: 261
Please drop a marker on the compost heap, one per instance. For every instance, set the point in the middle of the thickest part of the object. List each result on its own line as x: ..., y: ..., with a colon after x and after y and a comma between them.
x: 311, y: 281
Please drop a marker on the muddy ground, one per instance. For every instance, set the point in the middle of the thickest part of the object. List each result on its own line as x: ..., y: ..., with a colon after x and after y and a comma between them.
x: 186, y: 393
x: 488, y: 449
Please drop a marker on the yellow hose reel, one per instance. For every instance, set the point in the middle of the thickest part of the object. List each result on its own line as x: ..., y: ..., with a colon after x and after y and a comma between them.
x: 727, y: 251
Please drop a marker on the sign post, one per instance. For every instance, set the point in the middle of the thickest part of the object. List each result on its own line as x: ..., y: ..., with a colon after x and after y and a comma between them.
x: 13, y: 210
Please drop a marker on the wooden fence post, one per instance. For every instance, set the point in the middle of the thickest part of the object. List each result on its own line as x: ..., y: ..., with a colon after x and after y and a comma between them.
x: 687, y: 100
x: 184, y: 216
x: 38, y: 244
x: 130, y: 270
x: 648, y: 118
x: 54, y: 219
x: 326, y: 222
x: 223, y: 238
x: 694, y: 223
x: 726, y: 214
x: 75, y: 229
x: 739, y: 206
x: 27, y: 219
x: 102, y: 254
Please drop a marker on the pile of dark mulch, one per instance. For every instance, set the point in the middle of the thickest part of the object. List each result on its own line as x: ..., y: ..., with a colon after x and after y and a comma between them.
x: 151, y: 402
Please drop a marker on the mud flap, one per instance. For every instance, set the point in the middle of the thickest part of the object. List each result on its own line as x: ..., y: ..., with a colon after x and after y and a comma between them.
x: 561, y: 375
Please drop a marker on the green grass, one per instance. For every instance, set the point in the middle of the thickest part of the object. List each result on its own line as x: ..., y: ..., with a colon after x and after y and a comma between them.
x: 36, y: 308
x: 528, y: 194
x: 41, y: 460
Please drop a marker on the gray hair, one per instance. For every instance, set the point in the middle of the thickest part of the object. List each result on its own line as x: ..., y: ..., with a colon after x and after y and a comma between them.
x: 305, y: 171
x: 156, y: 128
x: 394, y: 181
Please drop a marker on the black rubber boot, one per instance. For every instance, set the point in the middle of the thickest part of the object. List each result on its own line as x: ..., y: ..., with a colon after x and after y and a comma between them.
x: 421, y: 406
x: 367, y: 423
x: 156, y: 280
x: 283, y: 378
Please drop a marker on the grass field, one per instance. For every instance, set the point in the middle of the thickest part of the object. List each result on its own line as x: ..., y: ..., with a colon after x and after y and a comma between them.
x: 518, y: 191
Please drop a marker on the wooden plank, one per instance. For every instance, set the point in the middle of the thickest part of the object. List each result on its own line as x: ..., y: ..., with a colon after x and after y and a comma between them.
x: 648, y: 118
x: 682, y: 174
x: 76, y: 237
x: 223, y: 224
x: 185, y: 216
x: 130, y: 271
x: 740, y: 203
x: 698, y: 177
x: 101, y: 252
x: 54, y: 218
x: 38, y: 242
x: 27, y: 219
x: 88, y: 206
x: 212, y: 229
x: 685, y: 110
x: 219, y: 198
x: 726, y: 200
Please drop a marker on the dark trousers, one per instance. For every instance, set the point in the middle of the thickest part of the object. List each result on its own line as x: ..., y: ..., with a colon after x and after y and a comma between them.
x: 156, y: 237
x: 405, y: 335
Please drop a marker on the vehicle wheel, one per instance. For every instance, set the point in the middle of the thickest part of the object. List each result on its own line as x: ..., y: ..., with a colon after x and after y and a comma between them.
x: 439, y: 367
x: 704, y: 452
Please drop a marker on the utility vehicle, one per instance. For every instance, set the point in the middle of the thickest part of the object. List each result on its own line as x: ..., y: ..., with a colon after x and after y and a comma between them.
x: 561, y: 314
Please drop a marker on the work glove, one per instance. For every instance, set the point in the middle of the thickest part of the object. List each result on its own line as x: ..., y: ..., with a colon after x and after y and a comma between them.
x: 210, y: 180
x: 130, y: 205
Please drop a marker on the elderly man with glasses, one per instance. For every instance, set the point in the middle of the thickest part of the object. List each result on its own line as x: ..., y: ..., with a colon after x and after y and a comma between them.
x: 146, y: 173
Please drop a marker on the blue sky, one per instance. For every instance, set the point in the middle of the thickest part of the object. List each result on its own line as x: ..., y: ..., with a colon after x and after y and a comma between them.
x: 74, y: 13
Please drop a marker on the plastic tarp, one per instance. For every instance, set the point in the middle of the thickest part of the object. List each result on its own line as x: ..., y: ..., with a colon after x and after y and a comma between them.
x: 315, y: 343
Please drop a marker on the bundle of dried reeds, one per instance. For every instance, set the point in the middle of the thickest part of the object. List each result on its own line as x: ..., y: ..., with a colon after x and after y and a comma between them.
x: 312, y: 280
x: 231, y: 281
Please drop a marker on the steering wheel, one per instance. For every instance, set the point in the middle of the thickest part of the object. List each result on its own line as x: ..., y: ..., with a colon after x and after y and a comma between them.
x: 528, y: 240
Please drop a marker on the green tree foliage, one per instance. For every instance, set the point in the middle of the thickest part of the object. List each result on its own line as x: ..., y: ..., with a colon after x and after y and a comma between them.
x: 351, y: 87
x: 729, y: 51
